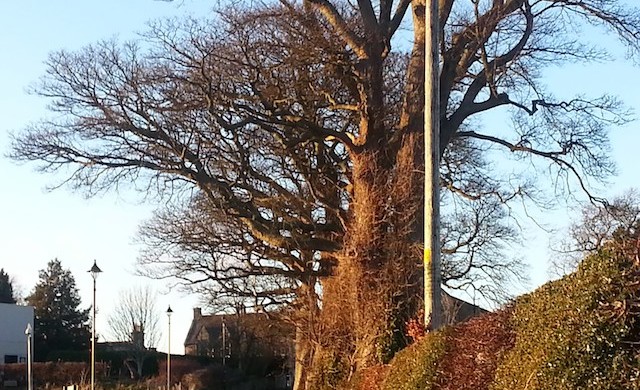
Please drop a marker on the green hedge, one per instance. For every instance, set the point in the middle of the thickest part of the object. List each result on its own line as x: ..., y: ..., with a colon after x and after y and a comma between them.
x: 579, y: 332
x: 416, y: 367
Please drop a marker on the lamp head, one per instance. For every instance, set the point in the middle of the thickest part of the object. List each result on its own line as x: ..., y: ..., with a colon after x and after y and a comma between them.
x: 28, y: 331
x: 169, y: 311
x: 95, y: 270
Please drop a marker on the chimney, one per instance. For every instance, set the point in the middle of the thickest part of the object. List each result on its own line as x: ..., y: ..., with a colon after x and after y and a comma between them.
x: 137, y: 336
x: 197, y: 313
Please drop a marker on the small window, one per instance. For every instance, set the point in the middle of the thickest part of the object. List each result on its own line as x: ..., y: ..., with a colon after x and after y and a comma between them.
x: 8, y: 359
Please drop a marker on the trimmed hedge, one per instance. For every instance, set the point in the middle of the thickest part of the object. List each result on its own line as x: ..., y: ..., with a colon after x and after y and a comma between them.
x: 474, y: 350
x: 580, y: 332
x: 416, y: 367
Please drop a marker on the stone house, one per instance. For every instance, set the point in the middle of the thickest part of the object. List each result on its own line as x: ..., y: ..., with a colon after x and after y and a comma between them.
x: 254, y: 343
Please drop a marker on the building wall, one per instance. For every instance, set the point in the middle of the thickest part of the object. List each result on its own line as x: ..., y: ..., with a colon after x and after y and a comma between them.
x: 191, y: 349
x: 13, y: 323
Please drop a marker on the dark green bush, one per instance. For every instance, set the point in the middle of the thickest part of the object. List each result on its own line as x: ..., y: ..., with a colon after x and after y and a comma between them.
x: 416, y: 367
x: 580, y: 332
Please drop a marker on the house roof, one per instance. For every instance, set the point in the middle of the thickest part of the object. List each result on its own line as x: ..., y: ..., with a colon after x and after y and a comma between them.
x: 213, y: 323
x: 455, y: 310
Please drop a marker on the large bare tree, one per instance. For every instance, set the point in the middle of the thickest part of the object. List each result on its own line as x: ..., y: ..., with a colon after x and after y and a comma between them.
x: 291, y: 136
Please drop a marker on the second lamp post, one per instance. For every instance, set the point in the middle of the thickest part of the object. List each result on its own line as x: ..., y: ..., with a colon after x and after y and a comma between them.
x: 169, y: 311
x: 95, y: 270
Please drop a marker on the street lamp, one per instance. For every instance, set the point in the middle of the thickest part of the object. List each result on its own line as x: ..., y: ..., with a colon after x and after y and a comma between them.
x: 169, y: 311
x: 29, y: 334
x: 95, y: 270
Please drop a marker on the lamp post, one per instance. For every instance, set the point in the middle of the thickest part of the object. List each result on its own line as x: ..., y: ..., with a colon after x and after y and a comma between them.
x: 29, y: 334
x: 95, y: 270
x: 224, y: 342
x: 169, y: 312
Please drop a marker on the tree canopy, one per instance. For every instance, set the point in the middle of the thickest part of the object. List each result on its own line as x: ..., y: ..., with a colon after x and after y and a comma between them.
x: 59, y: 322
x: 6, y: 288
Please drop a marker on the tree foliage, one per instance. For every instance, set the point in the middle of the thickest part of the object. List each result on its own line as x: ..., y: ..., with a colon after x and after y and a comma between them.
x: 6, y: 288
x: 59, y: 322
x: 290, y: 137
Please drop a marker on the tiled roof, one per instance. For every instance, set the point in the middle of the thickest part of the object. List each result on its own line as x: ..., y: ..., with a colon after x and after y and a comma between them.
x: 213, y: 323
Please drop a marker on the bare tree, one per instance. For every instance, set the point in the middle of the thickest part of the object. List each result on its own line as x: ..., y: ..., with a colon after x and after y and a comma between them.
x: 295, y: 133
x: 597, y: 225
x: 134, y: 320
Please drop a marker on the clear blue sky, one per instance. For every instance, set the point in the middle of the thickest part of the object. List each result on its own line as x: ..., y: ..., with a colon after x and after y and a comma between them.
x: 37, y: 226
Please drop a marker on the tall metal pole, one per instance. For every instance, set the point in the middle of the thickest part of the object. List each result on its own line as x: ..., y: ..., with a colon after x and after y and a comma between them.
x: 224, y: 342
x: 93, y: 338
x: 432, y: 277
x: 95, y: 270
x: 29, y: 334
x: 169, y: 311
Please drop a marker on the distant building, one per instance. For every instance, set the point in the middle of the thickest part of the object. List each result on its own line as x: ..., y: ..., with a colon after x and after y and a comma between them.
x: 132, y: 352
x: 246, y: 341
x: 136, y: 343
x: 13, y: 323
x: 456, y: 310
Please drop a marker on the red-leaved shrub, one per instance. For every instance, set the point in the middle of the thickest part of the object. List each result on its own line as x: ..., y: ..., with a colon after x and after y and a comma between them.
x: 474, y: 350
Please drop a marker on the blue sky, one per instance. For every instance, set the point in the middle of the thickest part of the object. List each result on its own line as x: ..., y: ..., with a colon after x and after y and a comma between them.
x: 37, y: 226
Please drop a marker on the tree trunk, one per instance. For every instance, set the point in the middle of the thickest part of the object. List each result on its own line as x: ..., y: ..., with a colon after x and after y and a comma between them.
x: 306, y: 320
x: 304, y: 354
x: 355, y: 301
x: 365, y: 257
x: 376, y: 288
x: 377, y: 282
